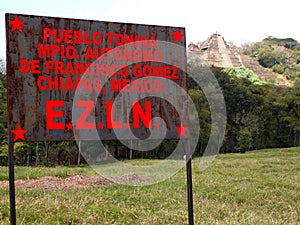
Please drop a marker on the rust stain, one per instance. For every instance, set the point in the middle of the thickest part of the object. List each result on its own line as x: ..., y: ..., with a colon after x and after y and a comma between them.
x: 26, y: 102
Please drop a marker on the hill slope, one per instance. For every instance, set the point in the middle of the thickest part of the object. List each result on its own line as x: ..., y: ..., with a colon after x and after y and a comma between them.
x: 218, y: 53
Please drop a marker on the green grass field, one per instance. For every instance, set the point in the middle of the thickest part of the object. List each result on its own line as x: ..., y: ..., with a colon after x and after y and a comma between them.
x: 258, y: 187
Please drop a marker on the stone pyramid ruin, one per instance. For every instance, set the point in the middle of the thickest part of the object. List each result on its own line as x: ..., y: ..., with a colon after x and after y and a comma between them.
x: 216, y: 52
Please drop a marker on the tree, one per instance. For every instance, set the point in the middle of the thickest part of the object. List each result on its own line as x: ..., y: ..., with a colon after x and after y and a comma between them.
x: 3, y: 114
x: 292, y: 118
x: 2, y: 67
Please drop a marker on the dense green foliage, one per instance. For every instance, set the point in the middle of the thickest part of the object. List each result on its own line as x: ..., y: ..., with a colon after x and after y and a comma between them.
x: 258, y: 116
x: 3, y: 118
x: 282, y: 55
x: 243, y: 72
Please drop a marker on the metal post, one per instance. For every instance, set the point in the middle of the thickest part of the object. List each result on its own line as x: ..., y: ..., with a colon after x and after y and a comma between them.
x: 189, y: 183
x: 11, y: 165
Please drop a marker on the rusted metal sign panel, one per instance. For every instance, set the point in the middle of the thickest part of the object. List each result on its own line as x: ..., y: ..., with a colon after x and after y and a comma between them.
x: 49, y: 60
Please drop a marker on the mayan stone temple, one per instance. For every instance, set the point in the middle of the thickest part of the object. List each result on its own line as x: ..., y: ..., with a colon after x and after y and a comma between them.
x: 217, y: 52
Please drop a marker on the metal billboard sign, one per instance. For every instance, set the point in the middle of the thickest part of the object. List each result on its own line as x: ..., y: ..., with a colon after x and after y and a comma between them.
x: 50, y: 59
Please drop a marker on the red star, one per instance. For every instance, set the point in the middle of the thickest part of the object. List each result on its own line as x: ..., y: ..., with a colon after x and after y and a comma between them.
x: 101, y: 125
x: 177, y: 36
x: 156, y: 125
x: 69, y: 126
x: 19, y: 133
x: 16, y: 24
x: 181, y: 130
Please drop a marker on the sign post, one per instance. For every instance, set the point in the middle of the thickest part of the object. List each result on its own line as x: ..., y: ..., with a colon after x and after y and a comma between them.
x: 12, y: 197
x: 189, y: 178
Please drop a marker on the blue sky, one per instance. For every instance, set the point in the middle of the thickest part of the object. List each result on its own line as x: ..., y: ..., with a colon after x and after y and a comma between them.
x: 238, y: 21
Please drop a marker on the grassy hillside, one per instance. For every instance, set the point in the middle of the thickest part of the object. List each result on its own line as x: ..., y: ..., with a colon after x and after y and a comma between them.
x: 258, y: 187
x: 281, y: 56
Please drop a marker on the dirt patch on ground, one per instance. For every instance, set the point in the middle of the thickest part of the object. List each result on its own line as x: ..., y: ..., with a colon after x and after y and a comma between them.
x: 73, y: 181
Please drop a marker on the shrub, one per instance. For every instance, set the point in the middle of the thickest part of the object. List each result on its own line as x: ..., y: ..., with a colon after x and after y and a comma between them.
x: 278, y: 68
